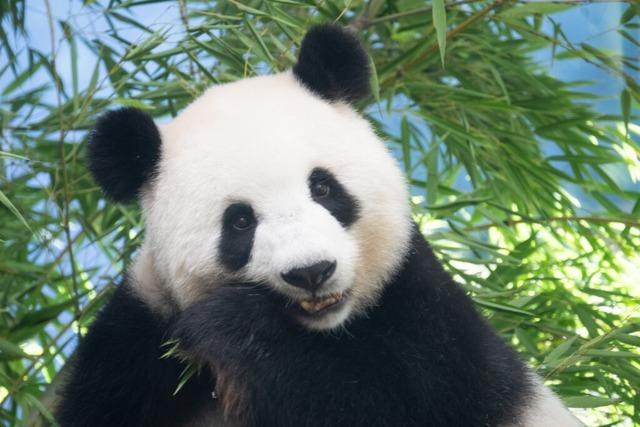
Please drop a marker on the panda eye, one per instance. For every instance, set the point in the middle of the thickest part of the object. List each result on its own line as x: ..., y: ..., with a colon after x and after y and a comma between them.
x: 320, y: 189
x: 243, y: 222
x: 329, y: 193
x: 239, y: 217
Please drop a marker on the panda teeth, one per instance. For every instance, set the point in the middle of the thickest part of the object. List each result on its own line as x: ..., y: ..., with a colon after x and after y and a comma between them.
x: 317, y: 304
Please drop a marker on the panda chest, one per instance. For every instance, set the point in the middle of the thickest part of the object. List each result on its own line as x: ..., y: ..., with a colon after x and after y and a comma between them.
x: 208, y: 416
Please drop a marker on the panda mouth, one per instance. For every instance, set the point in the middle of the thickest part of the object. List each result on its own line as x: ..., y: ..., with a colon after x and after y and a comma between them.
x: 320, y: 305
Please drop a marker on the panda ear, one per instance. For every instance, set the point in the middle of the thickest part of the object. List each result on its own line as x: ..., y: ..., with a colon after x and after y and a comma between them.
x: 333, y: 64
x: 123, y: 152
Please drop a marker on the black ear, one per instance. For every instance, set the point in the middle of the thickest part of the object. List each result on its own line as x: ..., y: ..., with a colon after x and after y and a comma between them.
x: 333, y: 64
x: 123, y: 152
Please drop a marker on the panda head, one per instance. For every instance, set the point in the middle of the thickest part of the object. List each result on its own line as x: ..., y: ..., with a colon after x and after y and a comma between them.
x: 275, y: 180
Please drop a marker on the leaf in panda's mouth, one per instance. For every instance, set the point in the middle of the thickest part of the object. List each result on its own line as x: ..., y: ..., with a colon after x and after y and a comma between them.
x: 317, y: 305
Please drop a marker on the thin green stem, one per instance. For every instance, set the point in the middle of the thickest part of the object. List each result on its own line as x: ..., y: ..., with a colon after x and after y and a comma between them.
x: 66, y: 198
x: 572, y: 218
x: 434, y: 47
x: 364, y: 22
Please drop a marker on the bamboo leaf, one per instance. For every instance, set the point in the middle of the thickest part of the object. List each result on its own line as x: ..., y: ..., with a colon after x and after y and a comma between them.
x: 10, y: 351
x: 559, y: 351
x: 588, y: 401
x: 375, y: 83
x: 4, y: 200
x: 625, y: 106
x: 502, y: 307
x: 440, y: 24
x: 458, y: 204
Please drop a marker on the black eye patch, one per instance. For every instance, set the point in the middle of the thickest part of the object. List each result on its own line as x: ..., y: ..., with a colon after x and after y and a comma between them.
x: 238, y: 229
x: 329, y: 193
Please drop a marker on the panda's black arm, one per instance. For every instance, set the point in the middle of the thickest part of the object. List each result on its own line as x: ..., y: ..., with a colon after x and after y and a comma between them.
x: 273, y: 373
x: 118, y: 377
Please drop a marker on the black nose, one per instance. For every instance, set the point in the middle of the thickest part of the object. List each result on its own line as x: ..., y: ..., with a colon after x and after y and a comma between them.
x: 312, y: 277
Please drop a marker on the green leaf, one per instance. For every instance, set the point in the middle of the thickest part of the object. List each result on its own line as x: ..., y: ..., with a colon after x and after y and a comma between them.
x: 587, y: 319
x: 129, y: 102
x: 458, y: 204
x: 375, y: 84
x: 42, y: 409
x: 7, y: 203
x: 502, y: 307
x: 527, y: 9
x: 559, y: 351
x: 43, y: 315
x: 625, y: 106
x: 632, y: 11
x: 13, y: 156
x: 588, y: 401
x: 263, y: 46
x: 187, y: 373
x: 10, y: 351
x: 440, y: 24
x: 432, y: 172
x: 20, y: 80
x: 405, y: 139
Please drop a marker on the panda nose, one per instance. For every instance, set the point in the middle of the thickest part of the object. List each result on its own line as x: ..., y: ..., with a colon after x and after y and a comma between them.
x: 312, y: 277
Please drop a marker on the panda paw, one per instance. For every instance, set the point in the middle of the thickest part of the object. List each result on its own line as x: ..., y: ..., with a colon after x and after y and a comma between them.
x: 232, y: 323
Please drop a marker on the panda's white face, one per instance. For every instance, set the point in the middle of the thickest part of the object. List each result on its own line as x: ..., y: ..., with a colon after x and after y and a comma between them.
x: 262, y: 181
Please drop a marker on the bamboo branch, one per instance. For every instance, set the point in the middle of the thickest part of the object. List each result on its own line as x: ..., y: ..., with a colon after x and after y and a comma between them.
x: 434, y: 48
x: 363, y: 22
x: 572, y: 218
x: 182, y: 7
x: 63, y: 166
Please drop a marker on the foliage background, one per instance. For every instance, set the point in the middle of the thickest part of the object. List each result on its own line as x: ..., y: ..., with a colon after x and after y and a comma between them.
x: 529, y: 196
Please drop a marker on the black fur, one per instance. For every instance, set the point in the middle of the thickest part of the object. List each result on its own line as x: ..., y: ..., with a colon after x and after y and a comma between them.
x: 123, y: 152
x: 235, y: 245
x: 342, y: 205
x: 118, y: 377
x: 333, y: 64
x: 423, y: 357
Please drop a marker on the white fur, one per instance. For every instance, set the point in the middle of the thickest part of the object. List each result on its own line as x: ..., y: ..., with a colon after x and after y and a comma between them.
x: 256, y: 141
x: 545, y: 409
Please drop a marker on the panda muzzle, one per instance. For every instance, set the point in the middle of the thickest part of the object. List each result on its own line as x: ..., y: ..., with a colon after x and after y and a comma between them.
x: 320, y: 304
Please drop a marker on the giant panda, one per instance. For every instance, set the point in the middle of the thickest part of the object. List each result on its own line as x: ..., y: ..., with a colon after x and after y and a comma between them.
x: 281, y: 260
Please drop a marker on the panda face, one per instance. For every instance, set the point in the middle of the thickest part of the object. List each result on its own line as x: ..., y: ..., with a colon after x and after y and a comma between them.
x: 273, y: 180
x: 263, y: 181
